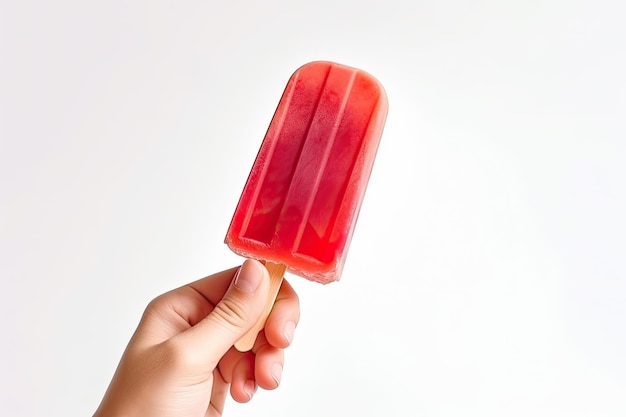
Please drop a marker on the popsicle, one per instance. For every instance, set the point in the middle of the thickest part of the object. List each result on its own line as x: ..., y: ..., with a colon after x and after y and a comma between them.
x: 299, y: 207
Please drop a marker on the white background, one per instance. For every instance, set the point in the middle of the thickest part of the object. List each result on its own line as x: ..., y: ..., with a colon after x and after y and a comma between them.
x: 486, y: 274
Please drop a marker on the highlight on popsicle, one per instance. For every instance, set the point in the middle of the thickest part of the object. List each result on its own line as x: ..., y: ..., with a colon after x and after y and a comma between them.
x: 299, y: 206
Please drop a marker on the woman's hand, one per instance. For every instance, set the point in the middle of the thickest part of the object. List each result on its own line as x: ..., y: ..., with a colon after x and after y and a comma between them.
x: 181, y: 361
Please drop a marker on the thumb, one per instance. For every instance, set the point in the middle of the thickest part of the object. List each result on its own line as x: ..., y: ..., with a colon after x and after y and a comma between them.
x: 239, y: 309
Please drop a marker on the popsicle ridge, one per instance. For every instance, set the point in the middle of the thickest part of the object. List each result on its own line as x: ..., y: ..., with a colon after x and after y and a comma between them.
x: 332, y: 193
x: 344, y: 193
x: 330, y: 140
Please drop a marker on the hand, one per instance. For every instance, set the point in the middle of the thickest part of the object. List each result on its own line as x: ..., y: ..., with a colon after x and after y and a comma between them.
x: 181, y: 360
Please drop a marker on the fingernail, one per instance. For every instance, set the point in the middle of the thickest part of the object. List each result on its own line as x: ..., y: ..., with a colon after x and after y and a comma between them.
x: 249, y: 387
x: 289, y: 330
x: 249, y: 276
x: 277, y: 372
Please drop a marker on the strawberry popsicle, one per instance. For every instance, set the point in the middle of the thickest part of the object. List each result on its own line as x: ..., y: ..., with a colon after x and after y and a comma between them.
x: 300, y: 203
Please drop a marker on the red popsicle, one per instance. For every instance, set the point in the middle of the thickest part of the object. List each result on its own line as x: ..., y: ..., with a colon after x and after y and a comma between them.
x: 299, y: 206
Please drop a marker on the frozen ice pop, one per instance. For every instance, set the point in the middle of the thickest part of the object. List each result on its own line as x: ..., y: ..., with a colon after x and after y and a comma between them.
x: 300, y: 203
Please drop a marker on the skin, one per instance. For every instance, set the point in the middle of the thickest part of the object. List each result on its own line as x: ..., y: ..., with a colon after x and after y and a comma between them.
x: 181, y: 360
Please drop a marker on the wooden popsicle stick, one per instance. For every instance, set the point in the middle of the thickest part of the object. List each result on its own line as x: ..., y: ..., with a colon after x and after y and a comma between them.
x: 276, y: 278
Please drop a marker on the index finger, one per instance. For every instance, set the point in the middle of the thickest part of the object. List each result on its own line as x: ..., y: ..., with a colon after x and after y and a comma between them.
x: 284, y: 317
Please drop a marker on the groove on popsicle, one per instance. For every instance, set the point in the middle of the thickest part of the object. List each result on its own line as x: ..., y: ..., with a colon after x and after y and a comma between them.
x: 294, y: 217
x: 344, y: 192
x: 278, y: 137
x: 333, y: 199
x: 302, y: 144
x: 322, y: 169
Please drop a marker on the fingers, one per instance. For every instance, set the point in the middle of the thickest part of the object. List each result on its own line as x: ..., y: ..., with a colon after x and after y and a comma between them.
x: 218, y: 395
x: 177, y: 310
x: 260, y: 367
x: 243, y: 385
x: 282, y: 321
x: 194, y: 301
x: 277, y: 335
x: 239, y: 296
x: 233, y: 315
x: 268, y: 367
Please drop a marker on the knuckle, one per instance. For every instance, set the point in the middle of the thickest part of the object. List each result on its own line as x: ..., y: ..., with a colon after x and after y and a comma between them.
x: 161, y: 302
x: 155, y: 304
x: 173, y: 352
x: 157, y: 308
x: 176, y: 353
x: 231, y: 313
